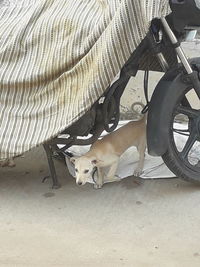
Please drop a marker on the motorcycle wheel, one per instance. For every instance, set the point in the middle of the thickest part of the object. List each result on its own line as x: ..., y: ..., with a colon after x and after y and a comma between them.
x: 183, y: 154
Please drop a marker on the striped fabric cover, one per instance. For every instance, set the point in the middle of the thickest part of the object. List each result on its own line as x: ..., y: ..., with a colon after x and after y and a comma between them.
x: 56, y: 59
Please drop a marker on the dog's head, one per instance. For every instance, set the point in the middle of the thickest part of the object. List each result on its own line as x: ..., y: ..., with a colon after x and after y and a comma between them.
x: 84, y: 167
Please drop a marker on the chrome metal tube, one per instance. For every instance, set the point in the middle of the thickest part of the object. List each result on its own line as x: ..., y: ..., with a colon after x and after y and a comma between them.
x: 178, y: 49
x: 163, y: 62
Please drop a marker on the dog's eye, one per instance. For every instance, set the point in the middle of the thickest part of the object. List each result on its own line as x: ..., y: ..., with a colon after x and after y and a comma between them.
x: 76, y: 170
x: 86, y: 171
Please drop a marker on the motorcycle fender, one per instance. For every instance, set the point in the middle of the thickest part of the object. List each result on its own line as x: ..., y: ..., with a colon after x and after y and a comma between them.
x: 162, y: 104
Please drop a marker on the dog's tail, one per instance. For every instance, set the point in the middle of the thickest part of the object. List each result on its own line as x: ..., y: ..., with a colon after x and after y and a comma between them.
x: 143, y: 116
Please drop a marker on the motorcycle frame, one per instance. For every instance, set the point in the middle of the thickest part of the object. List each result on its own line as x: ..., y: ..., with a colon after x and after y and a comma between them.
x: 130, y: 69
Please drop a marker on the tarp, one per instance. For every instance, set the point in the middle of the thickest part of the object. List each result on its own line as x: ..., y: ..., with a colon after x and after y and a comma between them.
x: 58, y: 57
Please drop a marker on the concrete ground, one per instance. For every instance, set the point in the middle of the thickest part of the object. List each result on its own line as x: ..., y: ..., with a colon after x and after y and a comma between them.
x: 136, y: 223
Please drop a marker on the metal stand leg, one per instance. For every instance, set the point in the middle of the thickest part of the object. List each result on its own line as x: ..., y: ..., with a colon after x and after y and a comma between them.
x: 48, y: 150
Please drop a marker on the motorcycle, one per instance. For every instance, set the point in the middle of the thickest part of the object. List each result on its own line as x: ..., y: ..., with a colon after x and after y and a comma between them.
x: 169, y: 100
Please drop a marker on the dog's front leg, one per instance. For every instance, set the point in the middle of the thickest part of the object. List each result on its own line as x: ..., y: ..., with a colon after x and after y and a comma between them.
x: 111, y: 174
x: 99, y: 182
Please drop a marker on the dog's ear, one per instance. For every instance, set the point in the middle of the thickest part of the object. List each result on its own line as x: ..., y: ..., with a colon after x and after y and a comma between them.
x: 72, y: 160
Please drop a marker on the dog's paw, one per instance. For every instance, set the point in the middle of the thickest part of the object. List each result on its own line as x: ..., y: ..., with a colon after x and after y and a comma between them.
x: 137, y: 172
x: 114, y: 178
x: 98, y: 186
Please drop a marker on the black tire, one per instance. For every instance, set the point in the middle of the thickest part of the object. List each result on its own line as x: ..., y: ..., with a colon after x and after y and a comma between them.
x: 179, y: 162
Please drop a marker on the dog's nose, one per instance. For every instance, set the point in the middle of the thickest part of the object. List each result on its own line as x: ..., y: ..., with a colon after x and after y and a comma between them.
x: 80, y: 183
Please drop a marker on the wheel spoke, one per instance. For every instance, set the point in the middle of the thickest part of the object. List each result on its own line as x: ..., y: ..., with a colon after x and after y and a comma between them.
x: 181, y: 130
x: 189, y: 144
x: 185, y: 102
x: 185, y: 133
x: 191, y: 113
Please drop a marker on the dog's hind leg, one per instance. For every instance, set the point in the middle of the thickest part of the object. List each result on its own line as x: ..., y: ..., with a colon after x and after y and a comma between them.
x: 141, y: 150
x: 99, y: 182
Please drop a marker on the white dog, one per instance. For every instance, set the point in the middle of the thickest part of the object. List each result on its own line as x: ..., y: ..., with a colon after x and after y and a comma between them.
x: 107, y: 151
